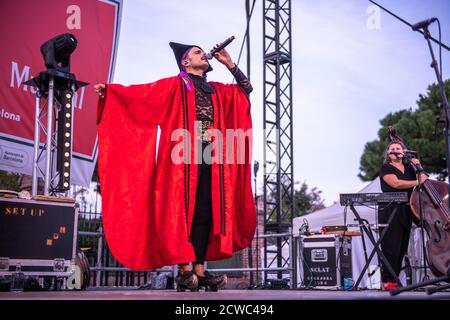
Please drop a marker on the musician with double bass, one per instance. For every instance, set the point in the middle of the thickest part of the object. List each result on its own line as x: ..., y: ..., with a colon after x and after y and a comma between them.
x: 397, y: 175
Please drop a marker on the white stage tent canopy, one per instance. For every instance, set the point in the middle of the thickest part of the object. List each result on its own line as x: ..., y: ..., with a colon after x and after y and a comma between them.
x: 334, y: 214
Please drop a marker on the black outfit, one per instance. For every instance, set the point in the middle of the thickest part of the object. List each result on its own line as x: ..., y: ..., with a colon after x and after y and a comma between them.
x: 394, y: 244
x: 201, y: 224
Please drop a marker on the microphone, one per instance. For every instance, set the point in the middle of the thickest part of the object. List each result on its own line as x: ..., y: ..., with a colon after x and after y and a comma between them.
x: 255, y: 168
x: 210, y: 55
x: 423, y: 24
x: 395, y: 154
x: 411, y: 154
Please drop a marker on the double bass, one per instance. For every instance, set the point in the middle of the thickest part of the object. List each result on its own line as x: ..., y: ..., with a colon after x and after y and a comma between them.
x: 435, y: 218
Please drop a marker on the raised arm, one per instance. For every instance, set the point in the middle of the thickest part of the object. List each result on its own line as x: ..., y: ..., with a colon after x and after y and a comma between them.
x: 145, y: 103
x: 224, y: 57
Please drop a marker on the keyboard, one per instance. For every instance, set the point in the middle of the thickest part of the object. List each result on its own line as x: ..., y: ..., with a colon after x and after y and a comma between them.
x: 372, y: 198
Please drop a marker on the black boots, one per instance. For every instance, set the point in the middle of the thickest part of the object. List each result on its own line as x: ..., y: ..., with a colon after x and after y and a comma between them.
x: 187, y: 280
x: 212, y: 282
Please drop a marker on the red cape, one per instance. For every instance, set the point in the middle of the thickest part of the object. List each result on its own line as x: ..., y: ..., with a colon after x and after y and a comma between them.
x: 147, y: 199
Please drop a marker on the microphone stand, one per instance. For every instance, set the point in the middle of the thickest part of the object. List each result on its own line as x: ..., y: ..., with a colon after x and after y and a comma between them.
x: 257, y: 236
x: 445, y: 104
x: 410, y: 25
x: 446, y: 107
x: 250, y: 253
x: 434, y: 65
x: 419, y: 170
x: 250, y: 248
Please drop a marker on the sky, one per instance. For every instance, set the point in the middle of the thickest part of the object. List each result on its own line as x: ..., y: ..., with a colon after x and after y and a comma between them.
x: 352, y: 64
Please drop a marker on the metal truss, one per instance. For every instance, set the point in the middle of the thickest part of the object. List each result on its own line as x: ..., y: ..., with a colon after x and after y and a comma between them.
x: 278, y: 130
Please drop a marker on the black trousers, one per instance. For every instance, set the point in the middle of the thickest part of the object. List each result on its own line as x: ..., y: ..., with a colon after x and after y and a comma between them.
x: 394, y: 244
x: 201, y: 223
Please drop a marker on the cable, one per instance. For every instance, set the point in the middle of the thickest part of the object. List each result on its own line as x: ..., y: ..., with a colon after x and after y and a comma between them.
x: 311, y: 280
x: 245, y: 36
x: 409, y: 24
x: 440, y: 48
x: 338, y: 255
x: 257, y: 230
x: 304, y: 228
x: 246, y: 31
x: 305, y: 264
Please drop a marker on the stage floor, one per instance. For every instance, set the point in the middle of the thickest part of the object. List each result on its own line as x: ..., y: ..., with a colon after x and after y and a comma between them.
x: 135, y: 294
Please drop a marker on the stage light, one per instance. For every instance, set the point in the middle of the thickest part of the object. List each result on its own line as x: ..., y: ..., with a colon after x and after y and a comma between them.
x: 57, y: 85
x: 64, y: 146
x: 56, y: 52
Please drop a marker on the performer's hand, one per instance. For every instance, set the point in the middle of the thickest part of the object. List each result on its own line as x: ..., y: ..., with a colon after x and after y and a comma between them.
x: 100, y: 89
x: 423, y: 177
x: 224, y: 57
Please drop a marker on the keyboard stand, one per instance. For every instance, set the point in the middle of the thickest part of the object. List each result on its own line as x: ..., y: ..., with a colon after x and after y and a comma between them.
x: 376, y: 245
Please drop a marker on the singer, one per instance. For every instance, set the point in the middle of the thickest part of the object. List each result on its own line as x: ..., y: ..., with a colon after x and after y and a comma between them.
x: 396, y: 175
x: 160, y: 213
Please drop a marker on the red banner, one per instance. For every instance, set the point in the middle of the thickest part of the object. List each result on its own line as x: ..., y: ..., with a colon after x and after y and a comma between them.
x: 24, y: 26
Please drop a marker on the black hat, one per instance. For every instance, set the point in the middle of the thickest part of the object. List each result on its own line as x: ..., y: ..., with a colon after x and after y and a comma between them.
x: 179, y: 50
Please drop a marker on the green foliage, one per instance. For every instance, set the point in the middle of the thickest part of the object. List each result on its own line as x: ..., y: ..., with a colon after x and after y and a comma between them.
x: 306, y: 200
x: 9, y: 181
x: 421, y: 129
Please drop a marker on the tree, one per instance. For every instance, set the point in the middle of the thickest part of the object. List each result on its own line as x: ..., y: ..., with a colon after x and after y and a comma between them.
x: 305, y: 201
x: 9, y: 181
x: 421, y: 129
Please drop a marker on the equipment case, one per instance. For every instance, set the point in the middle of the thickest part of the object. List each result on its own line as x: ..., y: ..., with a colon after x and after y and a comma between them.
x: 324, y: 260
x: 37, y: 239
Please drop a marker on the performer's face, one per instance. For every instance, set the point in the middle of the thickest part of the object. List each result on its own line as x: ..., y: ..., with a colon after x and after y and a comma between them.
x: 395, y: 151
x: 196, y: 59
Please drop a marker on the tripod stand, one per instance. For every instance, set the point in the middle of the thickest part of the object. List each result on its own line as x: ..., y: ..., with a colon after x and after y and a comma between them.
x: 376, y: 245
x: 250, y: 249
x: 446, y: 107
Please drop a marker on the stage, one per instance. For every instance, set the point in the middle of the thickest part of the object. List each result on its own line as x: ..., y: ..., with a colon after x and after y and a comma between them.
x: 235, y: 295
